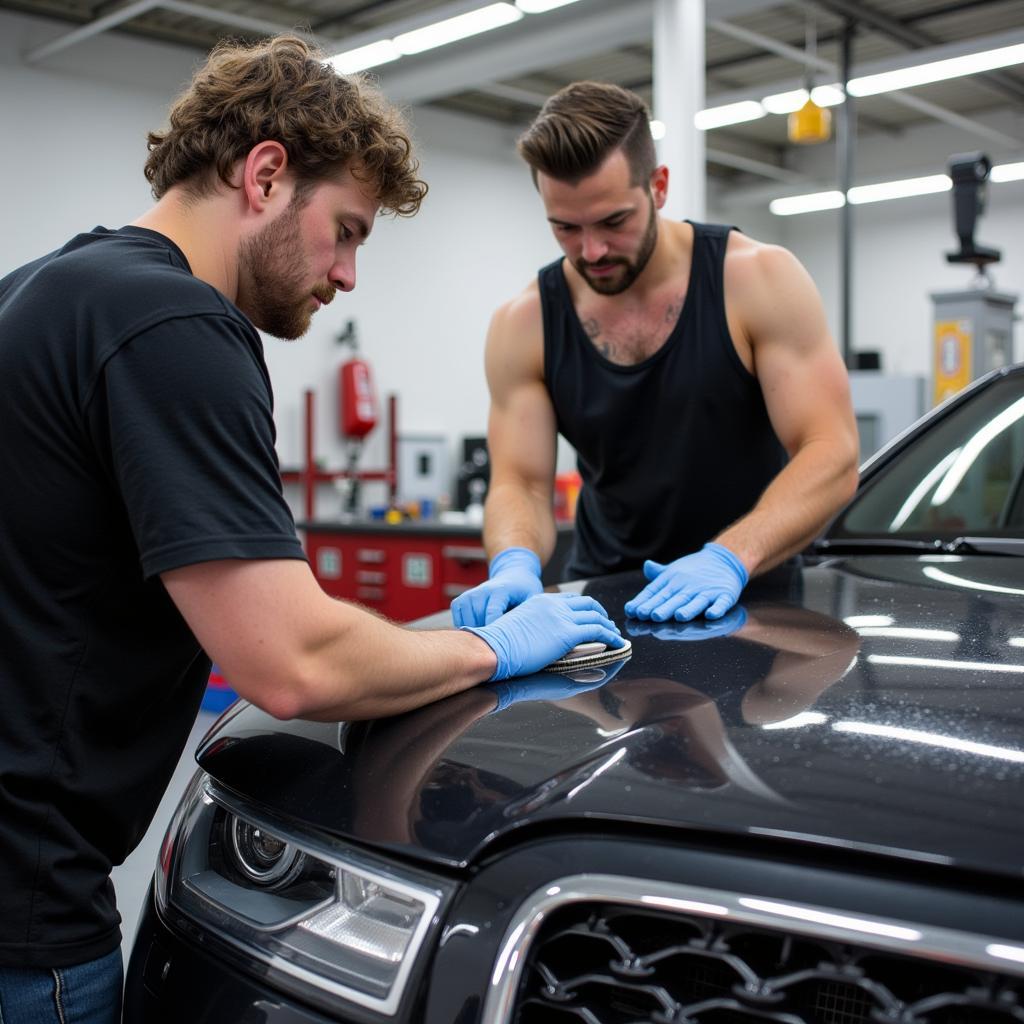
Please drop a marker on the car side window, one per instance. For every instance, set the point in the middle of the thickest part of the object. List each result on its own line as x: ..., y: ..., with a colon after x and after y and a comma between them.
x: 965, y: 476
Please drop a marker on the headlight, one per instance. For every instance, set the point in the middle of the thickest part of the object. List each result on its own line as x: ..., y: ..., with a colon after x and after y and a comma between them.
x: 317, y: 914
x: 261, y: 858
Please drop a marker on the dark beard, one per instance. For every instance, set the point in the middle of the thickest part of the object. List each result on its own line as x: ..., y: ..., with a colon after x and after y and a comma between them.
x: 271, y: 289
x: 632, y: 268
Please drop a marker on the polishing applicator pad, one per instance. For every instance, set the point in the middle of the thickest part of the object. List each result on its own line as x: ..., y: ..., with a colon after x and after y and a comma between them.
x: 592, y: 655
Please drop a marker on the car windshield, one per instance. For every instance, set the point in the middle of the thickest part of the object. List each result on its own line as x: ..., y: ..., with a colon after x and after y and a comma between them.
x: 964, y: 477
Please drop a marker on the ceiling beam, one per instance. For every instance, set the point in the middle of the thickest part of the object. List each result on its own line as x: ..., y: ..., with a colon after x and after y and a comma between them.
x: 759, y: 167
x: 92, y: 28
x: 259, y: 26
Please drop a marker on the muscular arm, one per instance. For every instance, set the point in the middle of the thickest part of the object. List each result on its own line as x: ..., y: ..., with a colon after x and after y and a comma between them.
x: 807, y: 394
x: 296, y: 653
x: 521, y: 432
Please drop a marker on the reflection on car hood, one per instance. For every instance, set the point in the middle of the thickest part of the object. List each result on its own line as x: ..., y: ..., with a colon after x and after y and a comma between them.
x: 868, y: 702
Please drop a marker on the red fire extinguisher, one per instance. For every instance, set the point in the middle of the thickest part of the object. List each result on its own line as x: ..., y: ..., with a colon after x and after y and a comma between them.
x: 357, y: 403
x: 357, y: 413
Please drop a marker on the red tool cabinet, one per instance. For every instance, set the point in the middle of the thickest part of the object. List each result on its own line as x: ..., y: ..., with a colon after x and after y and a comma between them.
x: 403, y: 571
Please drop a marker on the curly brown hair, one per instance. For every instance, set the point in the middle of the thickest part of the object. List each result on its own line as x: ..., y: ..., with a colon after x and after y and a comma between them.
x: 584, y: 123
x: 283, y: 89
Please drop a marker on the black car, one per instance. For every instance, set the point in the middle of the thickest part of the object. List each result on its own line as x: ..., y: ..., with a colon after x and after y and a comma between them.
x: 812, y: 811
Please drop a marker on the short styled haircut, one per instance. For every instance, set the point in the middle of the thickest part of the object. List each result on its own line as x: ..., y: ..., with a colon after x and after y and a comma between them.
x: 283, y: 90
x: 580, y: 126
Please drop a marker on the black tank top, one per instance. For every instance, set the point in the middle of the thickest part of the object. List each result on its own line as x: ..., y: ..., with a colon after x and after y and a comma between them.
x: 671, y: 450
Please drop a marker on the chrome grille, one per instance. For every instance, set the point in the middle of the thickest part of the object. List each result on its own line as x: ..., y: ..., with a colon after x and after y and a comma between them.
x: 608, y: 964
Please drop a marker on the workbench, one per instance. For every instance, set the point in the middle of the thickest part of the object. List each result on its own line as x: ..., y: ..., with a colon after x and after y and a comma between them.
x: 403, y: 570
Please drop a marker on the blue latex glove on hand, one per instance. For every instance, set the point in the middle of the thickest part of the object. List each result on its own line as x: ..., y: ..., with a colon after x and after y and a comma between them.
x: 552, y: 685
x: 702, y: 629
x: 543, y: 629
x: 514, y: 577
x: 708, y: 581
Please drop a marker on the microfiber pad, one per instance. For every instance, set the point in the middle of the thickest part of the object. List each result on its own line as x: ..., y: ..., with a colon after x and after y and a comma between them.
x: 590, y: 656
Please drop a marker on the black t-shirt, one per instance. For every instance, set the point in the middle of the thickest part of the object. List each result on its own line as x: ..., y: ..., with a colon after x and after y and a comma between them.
x: 136, y: 436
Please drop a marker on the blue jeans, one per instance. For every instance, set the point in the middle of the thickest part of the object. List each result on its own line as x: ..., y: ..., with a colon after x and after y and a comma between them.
x: 87, y: 993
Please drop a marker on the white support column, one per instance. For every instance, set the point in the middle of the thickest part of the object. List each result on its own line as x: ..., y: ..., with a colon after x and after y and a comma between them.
x: 678, y: 95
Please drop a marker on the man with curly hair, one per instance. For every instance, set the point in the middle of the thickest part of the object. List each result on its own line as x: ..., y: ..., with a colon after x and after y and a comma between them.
x: 142, y: 526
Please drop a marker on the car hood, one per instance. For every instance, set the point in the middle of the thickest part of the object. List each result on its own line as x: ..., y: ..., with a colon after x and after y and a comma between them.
x: 870, y: 703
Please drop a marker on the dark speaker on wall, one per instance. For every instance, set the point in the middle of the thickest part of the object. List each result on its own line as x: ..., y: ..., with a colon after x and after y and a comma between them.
x: 474, y: 473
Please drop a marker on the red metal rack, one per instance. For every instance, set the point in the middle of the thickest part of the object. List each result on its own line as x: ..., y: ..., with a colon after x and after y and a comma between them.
x: 311, y: 474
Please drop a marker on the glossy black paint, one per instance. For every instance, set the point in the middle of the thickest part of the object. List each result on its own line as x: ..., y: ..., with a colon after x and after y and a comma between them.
x: 820, y: 720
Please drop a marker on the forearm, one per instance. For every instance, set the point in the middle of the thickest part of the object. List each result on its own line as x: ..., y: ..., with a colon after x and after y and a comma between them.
x: 518, y: 515
x: 371, y: 668
x: 794, y: 509
x: 293, y: 651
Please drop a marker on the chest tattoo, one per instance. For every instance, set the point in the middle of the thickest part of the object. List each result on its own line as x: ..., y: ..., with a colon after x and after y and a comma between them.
x: 633, y: 338
x: 673, y: 311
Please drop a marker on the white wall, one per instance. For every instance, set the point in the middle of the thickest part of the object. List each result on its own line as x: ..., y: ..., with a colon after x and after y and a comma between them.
x: 74, y: 133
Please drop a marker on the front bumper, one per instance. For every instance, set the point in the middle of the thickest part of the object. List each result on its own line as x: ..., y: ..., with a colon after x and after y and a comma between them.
x: 174, y: 977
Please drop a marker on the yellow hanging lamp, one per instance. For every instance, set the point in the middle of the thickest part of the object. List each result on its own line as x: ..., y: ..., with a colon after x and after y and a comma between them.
x: 810, y: 124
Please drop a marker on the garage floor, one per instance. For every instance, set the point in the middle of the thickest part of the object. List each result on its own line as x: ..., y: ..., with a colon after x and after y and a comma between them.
x: 132, y: 878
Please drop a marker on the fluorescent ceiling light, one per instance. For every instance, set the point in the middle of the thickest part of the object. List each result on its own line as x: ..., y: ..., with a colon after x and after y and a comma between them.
x: 460, y: 27
x: 792, y: 101
x: 828, y: 95
x: 785, y: 102
x: 899, y: 189
x: 731, y: 113
x: 806, y: 204
x: 540, y: 6
x: 382, y: 52
x: 871, y: 85
x: 861, y: 194
x: 1007, y: 172
x: 937, y: 71
x: 658, y: 130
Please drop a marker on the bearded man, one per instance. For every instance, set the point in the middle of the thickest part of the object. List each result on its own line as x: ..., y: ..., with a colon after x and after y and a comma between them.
x: 690, y: 367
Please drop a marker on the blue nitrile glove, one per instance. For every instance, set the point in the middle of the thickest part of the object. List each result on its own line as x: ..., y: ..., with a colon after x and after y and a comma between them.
x: 709, y: 581
x: 514, y: 576
x: 552, y: 685
x: 543, y: 629
x: 701, y: 629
